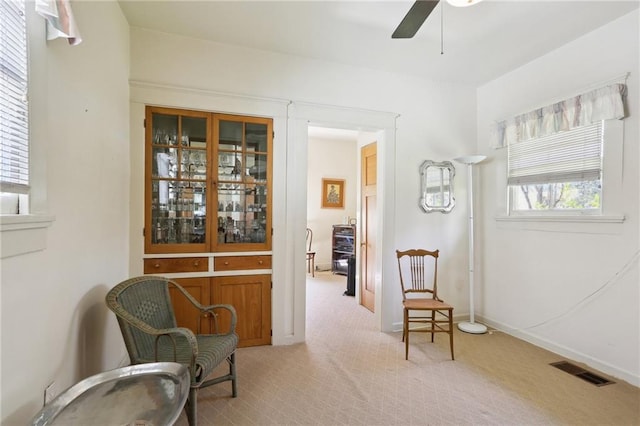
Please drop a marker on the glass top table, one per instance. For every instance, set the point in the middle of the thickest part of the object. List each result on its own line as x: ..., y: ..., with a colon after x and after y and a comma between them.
x: 138, y: 395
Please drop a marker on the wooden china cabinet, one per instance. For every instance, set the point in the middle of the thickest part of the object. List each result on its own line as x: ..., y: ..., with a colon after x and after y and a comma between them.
x: 208, y: 180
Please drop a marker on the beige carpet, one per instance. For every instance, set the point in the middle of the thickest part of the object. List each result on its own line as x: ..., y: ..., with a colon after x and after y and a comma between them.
x: 348, y: 373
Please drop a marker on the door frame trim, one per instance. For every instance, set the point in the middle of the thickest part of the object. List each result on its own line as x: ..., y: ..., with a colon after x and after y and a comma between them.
x: 300, y: 116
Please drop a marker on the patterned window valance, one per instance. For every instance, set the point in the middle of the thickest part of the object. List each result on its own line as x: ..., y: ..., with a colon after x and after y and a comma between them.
x: 600, y: 104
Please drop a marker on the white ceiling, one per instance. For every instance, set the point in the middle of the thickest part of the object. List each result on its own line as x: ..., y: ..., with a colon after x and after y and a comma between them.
x: 481, y: 42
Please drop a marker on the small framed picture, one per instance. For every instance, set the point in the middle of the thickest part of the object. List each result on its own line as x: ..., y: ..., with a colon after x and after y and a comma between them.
x: 332, y: 193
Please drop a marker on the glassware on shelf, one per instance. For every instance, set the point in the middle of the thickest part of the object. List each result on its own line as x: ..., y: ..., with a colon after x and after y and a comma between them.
x: 179, y: 174
x: 181, y: 145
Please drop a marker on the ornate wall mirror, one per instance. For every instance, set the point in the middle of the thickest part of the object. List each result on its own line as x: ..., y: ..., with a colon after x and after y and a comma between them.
x: 437, y: 186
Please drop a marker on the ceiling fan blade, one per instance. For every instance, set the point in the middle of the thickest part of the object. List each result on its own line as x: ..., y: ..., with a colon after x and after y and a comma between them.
x: 414, y: 19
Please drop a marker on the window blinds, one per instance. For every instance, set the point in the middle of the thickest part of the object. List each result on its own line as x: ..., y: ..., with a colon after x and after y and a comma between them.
x: 571, y: 156
x: 14, y: 130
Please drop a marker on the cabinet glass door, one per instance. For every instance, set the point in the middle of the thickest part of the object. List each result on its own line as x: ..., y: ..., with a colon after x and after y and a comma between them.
x: 242, y: 151
x: 177, y: 157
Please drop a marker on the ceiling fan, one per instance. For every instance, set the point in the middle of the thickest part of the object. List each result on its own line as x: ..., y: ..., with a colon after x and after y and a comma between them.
x: 419, y: 12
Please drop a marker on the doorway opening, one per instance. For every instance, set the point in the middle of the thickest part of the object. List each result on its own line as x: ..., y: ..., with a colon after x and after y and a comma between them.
x: 333, y: 156
x: 299, y: 188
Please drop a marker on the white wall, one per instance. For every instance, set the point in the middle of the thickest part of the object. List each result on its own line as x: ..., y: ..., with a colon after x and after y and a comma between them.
x: 330, y: 159
x: 436, y: 122
x: 55, y: 325
x: 532, y: 272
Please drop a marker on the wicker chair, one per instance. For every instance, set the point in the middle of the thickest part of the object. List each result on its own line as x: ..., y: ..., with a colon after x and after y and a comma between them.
x: 148, y: 325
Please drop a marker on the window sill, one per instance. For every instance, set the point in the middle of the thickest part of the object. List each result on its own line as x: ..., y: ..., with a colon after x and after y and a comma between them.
x: 22, y: 234
x: 563, y: 218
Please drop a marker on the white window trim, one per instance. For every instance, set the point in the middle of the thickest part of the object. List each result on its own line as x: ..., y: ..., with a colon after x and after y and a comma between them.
x: 587, y: 218
x: 611, y: 206
x: 27, y: 233
x: 23, y: 233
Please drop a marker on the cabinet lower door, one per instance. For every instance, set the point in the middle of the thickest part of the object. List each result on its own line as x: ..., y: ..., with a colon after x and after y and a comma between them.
x: 251, y: 297
x: 186, y: 315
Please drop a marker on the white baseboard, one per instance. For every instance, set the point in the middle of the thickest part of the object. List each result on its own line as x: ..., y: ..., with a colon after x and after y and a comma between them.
x: 323, y: 266
x: 563, y: 351
x: 550, y: 346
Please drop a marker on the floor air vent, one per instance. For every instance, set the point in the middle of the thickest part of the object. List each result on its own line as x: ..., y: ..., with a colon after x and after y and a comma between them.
x: 580, y: 372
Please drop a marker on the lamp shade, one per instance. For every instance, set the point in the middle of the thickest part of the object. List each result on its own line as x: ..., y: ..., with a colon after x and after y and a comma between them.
x: 463, y: 3
x: 470, y: 159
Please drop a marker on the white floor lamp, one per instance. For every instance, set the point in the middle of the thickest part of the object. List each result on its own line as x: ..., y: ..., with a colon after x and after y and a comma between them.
x: 472, y: 326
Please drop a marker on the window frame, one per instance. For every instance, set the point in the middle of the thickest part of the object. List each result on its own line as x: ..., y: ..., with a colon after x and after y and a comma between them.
x: 26, y: 232
x: 557, y: 139
x: 15, y: 133
x: 611, y: 178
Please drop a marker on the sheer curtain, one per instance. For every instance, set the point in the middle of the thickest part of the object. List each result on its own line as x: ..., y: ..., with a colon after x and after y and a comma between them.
x: 596, y: 105
x: 60, y: 20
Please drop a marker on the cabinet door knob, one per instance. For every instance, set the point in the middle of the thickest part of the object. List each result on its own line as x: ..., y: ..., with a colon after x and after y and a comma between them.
x: 206, y: 315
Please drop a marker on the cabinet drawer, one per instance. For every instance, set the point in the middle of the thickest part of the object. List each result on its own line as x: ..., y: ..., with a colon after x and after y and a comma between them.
x: 238, y: 263
x: 177, y: 264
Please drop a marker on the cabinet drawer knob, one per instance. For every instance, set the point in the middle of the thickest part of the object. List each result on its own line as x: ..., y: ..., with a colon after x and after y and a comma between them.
x: 259, y: 262
x: 196, y: 263
x: 226, y: 262
x: 156, y: 265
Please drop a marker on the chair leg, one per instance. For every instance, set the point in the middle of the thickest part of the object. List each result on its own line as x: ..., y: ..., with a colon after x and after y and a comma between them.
x: 192, y: 403
x: 232, y: 372
x: 406, y: 333
x: 311, y: 264
x: 433, y: 321
x: 451, y: 332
